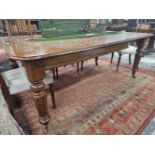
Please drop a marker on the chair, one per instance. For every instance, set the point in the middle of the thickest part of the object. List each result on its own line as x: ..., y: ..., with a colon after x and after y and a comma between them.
x: 131, y: 50
x: 96, y: 63
x: 15, y: 81
x: 79, y: 68
x: 143, y: 28
x: 18, y: 27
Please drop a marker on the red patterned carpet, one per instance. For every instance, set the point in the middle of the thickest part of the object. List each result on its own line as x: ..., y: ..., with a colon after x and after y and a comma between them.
x: 98, y: 100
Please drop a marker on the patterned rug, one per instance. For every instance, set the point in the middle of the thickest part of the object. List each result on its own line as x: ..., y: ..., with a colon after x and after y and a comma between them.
x: 98, y: 100
x: 149, y: 126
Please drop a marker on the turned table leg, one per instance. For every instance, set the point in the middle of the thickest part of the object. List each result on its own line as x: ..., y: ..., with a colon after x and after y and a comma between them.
x: 40, y: 97
x: 140, y: 45
x: 36, y: 74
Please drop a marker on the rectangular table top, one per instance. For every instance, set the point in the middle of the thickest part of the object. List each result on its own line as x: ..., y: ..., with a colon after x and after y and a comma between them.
x: 27, y: 49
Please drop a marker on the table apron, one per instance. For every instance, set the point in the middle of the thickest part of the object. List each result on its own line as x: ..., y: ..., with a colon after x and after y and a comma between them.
x: 69, y: 58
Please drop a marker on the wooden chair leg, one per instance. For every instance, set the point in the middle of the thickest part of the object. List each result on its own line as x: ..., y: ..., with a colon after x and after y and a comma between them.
x: 96, y: 61
x: 112, y: 55
x: 77, y: 67
x: 57, y: 73
x: 54, y: 76
x: 52, y: 95
x: 119, y: 60
x: 82, y: 65
x: 129, y: 59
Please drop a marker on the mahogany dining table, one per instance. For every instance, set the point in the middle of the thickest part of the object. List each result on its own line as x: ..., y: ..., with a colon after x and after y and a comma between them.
x: 38, y: 56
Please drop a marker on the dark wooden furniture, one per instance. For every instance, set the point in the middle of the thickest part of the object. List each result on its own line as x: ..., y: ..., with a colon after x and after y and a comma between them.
x: 38, y: 56
x: 20, y: 28
x: 33, y: 24
x: 131, y: 50
x: 15, y: 81
x: 151, y: 30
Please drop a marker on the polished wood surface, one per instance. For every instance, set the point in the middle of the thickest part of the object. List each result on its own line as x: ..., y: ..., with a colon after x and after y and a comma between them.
x: 24, y: 49
x: 37, y: 56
